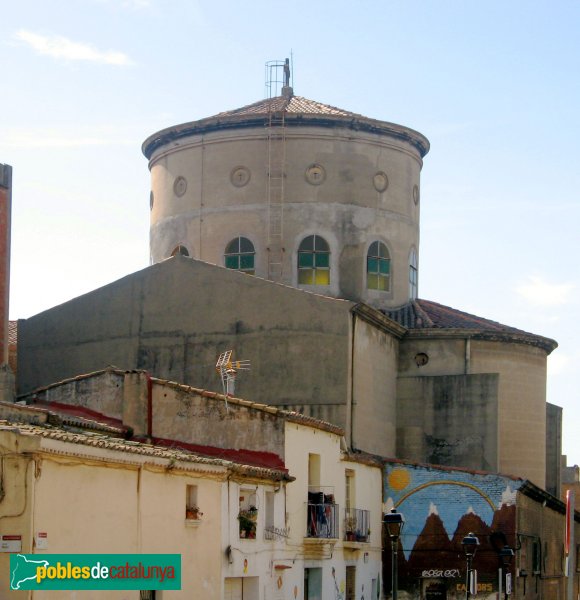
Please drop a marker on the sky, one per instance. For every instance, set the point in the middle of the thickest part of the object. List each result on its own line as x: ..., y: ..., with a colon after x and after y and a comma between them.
x: 493, y: 85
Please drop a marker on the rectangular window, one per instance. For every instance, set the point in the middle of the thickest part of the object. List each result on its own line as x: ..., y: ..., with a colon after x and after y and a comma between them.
x: 248, y: 514
x: 349, y: 501
x: 313, y: 471
x: 191, y: 506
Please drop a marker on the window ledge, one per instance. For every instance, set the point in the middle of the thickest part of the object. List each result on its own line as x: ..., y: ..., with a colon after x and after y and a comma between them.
x: 192, y: 522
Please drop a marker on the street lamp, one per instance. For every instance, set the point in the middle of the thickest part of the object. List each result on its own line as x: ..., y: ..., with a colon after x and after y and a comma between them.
x: 506, y: 554
x: 470, y: 544
x: 394, y: 523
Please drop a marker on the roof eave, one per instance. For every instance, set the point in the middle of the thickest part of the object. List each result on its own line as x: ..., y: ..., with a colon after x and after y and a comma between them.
x: 217, y: 123
x: 529, y: 339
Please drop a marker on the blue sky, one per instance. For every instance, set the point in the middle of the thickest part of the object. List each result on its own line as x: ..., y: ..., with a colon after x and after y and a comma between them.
x: 494, y: 86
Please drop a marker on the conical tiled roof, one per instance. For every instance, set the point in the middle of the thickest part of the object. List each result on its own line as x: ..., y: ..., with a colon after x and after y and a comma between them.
x: 291, y: 105
x: 424, y: 314
x: 297, y: 111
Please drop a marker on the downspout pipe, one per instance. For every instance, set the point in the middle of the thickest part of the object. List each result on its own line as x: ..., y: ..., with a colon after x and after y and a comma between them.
x: 149, y: 405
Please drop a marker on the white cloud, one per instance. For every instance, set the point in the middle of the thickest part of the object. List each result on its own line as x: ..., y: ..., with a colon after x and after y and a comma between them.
x: 539, y: 292
x: 62, y: 48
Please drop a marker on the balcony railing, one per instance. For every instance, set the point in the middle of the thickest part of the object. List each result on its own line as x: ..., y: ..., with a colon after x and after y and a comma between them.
x: 322, y: 520
x: 356, y: 525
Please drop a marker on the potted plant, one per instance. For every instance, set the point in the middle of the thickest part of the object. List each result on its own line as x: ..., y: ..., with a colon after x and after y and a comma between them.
x: 193, y: 512
x: 247, y: 519
x: 350, y: 526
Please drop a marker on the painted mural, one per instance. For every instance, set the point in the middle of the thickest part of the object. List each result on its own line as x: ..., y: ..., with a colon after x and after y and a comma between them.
x: 441, y: 506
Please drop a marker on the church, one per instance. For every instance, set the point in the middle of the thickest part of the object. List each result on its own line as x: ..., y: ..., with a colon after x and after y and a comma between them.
x: 288, y: 231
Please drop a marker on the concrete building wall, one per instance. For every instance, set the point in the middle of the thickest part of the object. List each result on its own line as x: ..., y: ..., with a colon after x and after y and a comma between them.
x: 374, y: 413
x: 521, y: 391
x: 344, y: 205
x: 553, y: 448
x: 449, y: 420
x: 174, y: 318
x: 522, y: 404
x: 542, y: 554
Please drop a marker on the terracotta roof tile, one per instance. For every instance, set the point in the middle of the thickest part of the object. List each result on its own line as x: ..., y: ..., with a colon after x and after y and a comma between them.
x: 424, y: 314
x: 292, y: 105
x: 132, y: 447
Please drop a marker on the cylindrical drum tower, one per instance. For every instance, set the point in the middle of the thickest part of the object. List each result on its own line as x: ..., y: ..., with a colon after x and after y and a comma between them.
x: 294, y: 191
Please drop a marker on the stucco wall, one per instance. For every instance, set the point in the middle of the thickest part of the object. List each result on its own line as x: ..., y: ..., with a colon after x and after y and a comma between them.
x: 175, y: 317
x: 449, y: 420
x: 522, y: 405
x: 334, y: 555
x: 90, y: 504
x: 345, y: 208
x: 521, y: 392
x: 374, y: 389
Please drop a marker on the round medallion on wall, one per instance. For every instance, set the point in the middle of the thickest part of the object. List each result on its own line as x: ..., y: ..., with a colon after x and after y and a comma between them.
x: 380, y: 181
x: 416, y: 194
x: 315, y: 174
x: 151, y: 200
x: 180, y: 186
x: 240, y: 176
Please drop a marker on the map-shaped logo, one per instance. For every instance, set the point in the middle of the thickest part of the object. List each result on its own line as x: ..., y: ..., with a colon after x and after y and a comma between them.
x: 24, y: 569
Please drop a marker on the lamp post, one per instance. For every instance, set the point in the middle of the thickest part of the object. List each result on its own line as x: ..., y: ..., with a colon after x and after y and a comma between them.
x: 394, y: 523
x: 470, y: 544
x: 506, y: 554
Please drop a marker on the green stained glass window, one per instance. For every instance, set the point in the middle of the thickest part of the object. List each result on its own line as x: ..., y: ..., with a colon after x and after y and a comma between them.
x: 378, y: 267
x: 240, y: 255
x: 314, y: 261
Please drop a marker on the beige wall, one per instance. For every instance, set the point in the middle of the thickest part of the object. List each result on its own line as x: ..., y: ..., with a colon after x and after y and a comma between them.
x: 521, y: 408
x: 374, y: 389
x: 89, y: 501
x: 346, y: 209
x: 522, y: 405
x: 332, y: 554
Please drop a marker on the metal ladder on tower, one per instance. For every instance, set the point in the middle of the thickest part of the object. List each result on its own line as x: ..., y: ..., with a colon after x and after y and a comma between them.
x: 276, y: 167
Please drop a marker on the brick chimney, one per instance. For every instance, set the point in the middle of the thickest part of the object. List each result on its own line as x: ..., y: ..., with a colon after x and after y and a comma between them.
x: 6, y: 375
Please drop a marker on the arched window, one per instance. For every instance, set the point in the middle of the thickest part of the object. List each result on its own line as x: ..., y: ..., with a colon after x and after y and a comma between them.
x: 378, y: 267
x: 240, y: 255
x: 314, y: 261
x: 180, y: 250
x: 413, y: 275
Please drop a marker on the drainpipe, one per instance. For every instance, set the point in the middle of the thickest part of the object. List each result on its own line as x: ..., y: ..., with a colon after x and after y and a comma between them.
x: 149, y: 405
x: 349, y: 399
x: 467, y: 355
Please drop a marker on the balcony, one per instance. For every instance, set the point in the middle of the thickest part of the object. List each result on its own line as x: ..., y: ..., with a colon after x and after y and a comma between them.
x: 356, y: 525
x: 321, y: 514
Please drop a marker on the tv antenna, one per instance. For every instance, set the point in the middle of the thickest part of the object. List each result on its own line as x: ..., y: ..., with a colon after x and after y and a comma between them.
x: 228, y: 370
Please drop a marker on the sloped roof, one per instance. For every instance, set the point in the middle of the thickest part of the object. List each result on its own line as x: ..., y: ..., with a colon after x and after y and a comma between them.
x: 424, y: 315
x: 161, y: 451
x: 290, y: 105
x: 297, y: 110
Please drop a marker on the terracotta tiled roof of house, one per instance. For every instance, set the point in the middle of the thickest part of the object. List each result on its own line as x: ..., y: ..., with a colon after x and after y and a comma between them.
x: 48, y: 431
x: 297, y: 110
x: 424, y: 314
